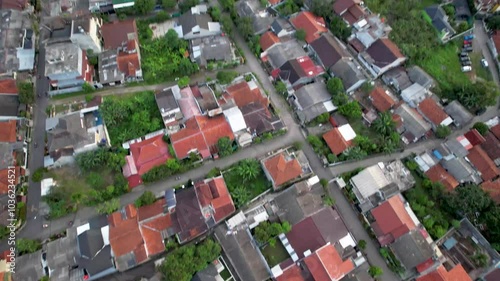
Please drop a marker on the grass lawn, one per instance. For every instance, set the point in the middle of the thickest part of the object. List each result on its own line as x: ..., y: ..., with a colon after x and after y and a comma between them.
x: 478, y: 68
x: 362, y: 129
x: 274, y: 255
x: 444, y: 65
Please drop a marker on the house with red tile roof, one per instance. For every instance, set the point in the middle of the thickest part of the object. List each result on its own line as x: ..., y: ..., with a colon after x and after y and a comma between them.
x: 493, y: 189
x: 137, y: 234
x: 214, y: 198
x: 381, y: 56
x: 474, y: 137
x: 267, y: 40
x: 244, y: 93
x: 457, y: 273
x: 284, y: 167
x: 116, y: 34
x: 483, y: 163
x: 339, y: 139
x: 327, y: 264
x: 8, y: 86
x: 438, y: 174
x: 8, y: 131
x: 6, y: 178
x: 298, y: 71
x: 381, y: 100
x: 434, y: 113
x: 144, y: 156
x: 200, y: 135
x: 492, y: 147
x: 392, y: 220
x: 496, y: 131
x: 313, y: 26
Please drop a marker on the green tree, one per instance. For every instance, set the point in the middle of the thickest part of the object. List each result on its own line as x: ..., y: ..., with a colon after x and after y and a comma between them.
x: 241, y: 195
x: 226, y: 77
x: 300, y: 34
x: 493, y: 22
x: 468, y: 200
x: 185, y: 5
x: 225, y: 146
x: 26, y: 92
x: 215, y: 13
x: 354, y: 153
x: 340, y: 99
x: 351, y: 110
x: 27, y: 246
x: 335, y: 86
x: 481, y: 128
x: 322, y: 118
x: 375, y: 271
x: 95, y: 180
x: 362, y: 244
x: 168, y: 4
x: 321, y: 8
x: 227, y: 24
x: 245, y: 27
x: 144, y: 6
x: 384, y: 124
x: 227, y: 5
x: 108, y: 207
x: 365, y: 143
x: 480, y: 259
x: 183, y: 82
x: 173, y: 165
x: 38, y: 175
x: 4, y: 231
x: 248, y: 169
x: 442, y: 131
x: 281, y: 88
x: 339, y: 28
x: 323, y: 182
x: 147, y: 198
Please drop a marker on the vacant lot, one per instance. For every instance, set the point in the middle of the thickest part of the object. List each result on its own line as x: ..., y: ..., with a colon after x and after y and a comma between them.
x: 274, y: 255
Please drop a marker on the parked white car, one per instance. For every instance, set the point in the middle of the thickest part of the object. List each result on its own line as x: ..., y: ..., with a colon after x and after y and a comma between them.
x: 484, y: 63
x: 466, y: 68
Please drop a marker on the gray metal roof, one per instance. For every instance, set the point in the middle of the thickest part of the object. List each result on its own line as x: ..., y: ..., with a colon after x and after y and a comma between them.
x: 412, y: 249
x: 456, y: 148
x: 279, y: 54
x: 189, y: 20
x: 312, y: 94
x: 69, y: 132
x: 460, y: 115
x: 412, y: 122
x: 9, y: 105
x: 347, y: 70
x: 460, y: 170
x: 418, y: 75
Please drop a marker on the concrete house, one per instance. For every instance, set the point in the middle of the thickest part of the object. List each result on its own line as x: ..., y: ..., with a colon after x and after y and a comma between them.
x: 436, y: 16
x: 85, y: 32
x: 196, y: 23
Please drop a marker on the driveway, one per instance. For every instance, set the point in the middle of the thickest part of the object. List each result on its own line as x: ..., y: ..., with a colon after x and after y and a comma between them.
x: 480, y: 42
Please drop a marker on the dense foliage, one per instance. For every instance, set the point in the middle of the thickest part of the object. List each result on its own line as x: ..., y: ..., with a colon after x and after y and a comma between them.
x: 225, y: 146
x: 112, y: 158
x: 147, y: 198
x: 265, y: 232
x: 26, y: 92
x: 27, y: 246
x: 131, y: 117
x: 481, y: 128
x: 245, y: 180
x: 165, y: 57
x: 185, y: 261
x: 226, y: 77
x: 108, y: 207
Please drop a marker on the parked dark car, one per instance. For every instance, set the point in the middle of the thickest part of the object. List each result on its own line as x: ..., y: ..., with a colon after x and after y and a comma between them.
x: 480, y: 111
x: 464, y: 54
x: 465, y: 58
x: 468, y: 49
x: 466, y: 63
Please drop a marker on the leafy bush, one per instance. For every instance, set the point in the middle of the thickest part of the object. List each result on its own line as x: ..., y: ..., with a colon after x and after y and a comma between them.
x: 147, y: 198
x: 481, y: 128
x: 226, y: 77
x: 27, y: 246
x: 38, y: 175
x: 131, y: 117
x: 108, y: 207
x: 266, y: 231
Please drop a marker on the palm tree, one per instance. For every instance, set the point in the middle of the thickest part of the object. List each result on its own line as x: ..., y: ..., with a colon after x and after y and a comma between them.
x: 248, y: 169
x: 354, y: 153
x: 241, y: 195
x: 384, y: 124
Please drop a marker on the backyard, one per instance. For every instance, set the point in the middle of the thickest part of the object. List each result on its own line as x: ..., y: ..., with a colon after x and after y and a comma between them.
x: 481, y: 71
x: 245, y: 181
x: 131, y: 117
x: 274, y: 254
x: 102, y: 181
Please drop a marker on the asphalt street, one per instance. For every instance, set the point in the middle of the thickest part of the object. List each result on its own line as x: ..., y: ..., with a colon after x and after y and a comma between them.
x: 34, y: 229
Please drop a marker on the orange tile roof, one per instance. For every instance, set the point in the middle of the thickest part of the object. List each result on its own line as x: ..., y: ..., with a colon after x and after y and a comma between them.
x: 432, y: 111
x: 115, y: 219
x: 130, y: 211
x: 214, y: 192
x: 243, y: 95
x: 159, y: 223
x: 439, y: 174
x: 267, y: 40
x: 8, y: 86
x: 313, y: 26
x: 149, y: 153
x: 496, y: 131
x: 457, y: 273
x: 4, y: 179
x: 125, y: 238
x: 381, y: 100
x: 391, y: 218
x: 150, y: 211
x: 336, y: 142
x: 291, y: 273
x: 153, y: 241
x: 493, y: 189
x: 483, y: 163
x: 326, y: 264
x: 496, y: 39
x: 129, y: 63
x: 8, y: 131
x: 282, y: 170
x: 115, y: 34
